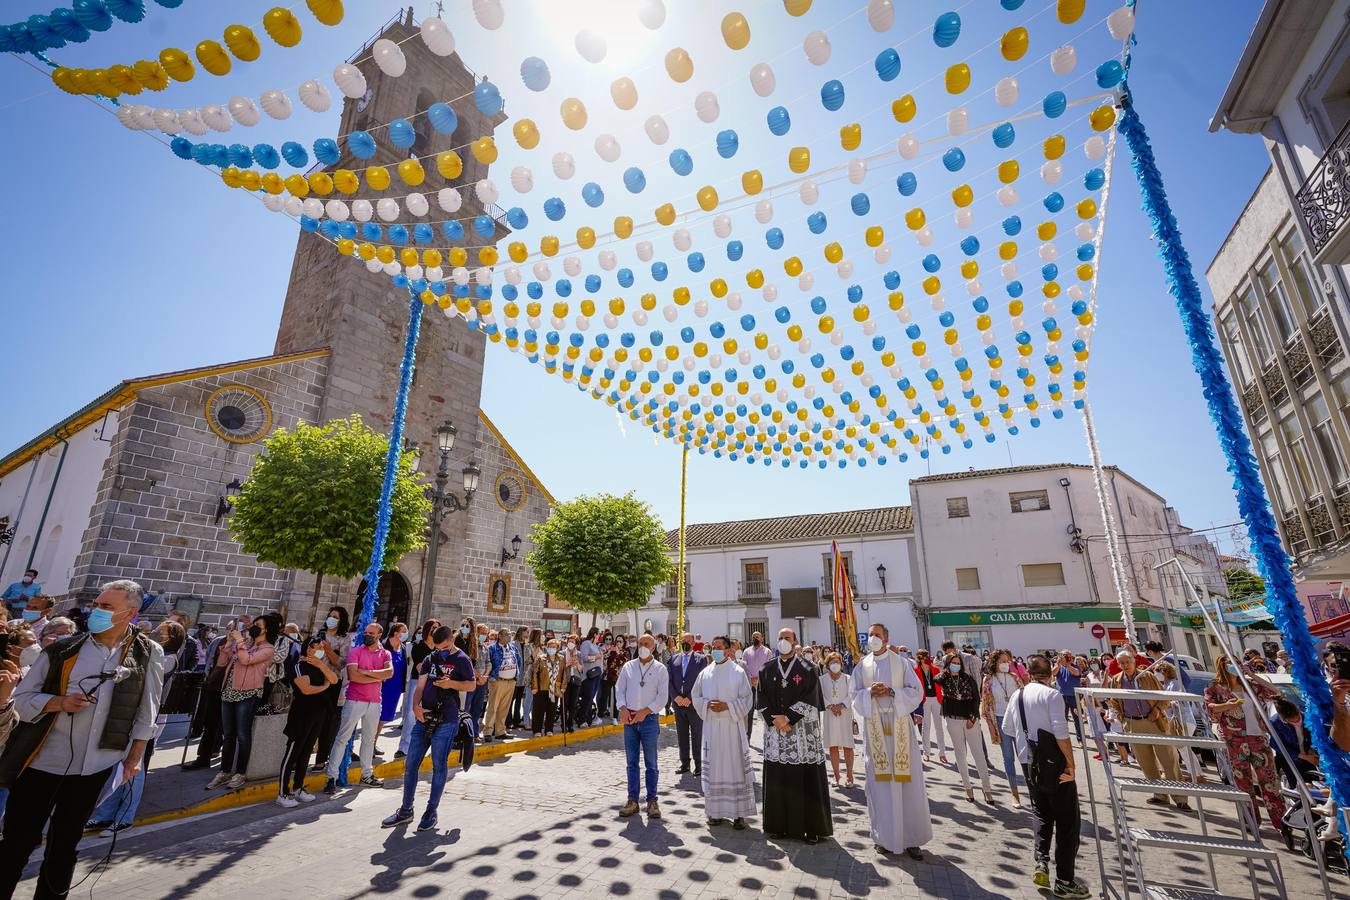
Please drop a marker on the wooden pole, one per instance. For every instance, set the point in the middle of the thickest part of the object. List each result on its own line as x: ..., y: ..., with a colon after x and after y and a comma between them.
x: 684, y: 476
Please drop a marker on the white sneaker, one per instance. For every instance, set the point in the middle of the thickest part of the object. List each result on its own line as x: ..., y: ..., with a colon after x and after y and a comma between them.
x: 221, y: 779
x: 236, y: 781
x: 287, y: 801
x: 303, y: 796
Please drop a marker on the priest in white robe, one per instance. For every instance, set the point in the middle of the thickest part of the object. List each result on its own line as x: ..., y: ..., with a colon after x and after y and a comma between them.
x: 722, y: 698
x: 886, y: 690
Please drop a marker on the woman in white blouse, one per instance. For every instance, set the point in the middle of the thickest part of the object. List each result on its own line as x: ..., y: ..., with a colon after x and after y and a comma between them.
x: 838, y: 715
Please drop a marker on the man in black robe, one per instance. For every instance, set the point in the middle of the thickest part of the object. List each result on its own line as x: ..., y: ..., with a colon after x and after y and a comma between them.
x: 796, y: 794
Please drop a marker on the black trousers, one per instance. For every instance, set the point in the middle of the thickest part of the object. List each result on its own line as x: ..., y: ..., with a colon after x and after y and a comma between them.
x: 542, y: 712
x: 208, y: 722
x: 328, y: 734
x: 1057, y: 816
x: 68, y: 801
x: 689, y: 731
x: 301, y: 737
x: 569, y: 705
x: 515, y: 716
x: 750, y: 716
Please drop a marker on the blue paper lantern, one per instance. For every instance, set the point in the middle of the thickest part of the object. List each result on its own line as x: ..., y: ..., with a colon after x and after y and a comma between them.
x: 954, y: 160
x: 370, y: 231
x: 695, y: 261
x: 735, y: 250
x: 361, y: 144
x: 554, y: 208
x: 888, y: 64
x: 970, y: 245
x: 534, y: 72
x: 817, y: 222
x: 832, y: 95
x: 946, y: 29
x: 592, y: 194
x: 398, y: 234
x: 855, y: 293
x: 625, y: 276
x: 907, y: 183
x: 563, y: 287
x: 1054, y: 104
x: 980, y: 304
x: 326, y: 151
x: 240, y: 156
x: 401, y: 134
x: 454, y: 231
x: 1004, y: 135
x: 296, y: 156
x: 727, y: 143
x: 1012, y: 225
x: 1054, y: 202
x: 347, y: 229
x: 487, y: 98
x: 1110, y: 74
x: 774, y: 238
x: 660, y: 271
x: 818, y: 305
x: 442, y: 118
x: 181, y: 147
x: 779, y: 121
x: 516, y: 217
x: 92, y: 14
x: 634, y: 180
x: 127, y: 10
x: 484, y: 225
x: 1049, y: 272
x: 931, y: 263
x: 1011, y: 5
x: 860, y: 204
x: 422, y: 233
x: 593, y: 283
x: 681, y: 162
x: 1086, y: 252
x: 891, y: 279
x: 1094, y: 179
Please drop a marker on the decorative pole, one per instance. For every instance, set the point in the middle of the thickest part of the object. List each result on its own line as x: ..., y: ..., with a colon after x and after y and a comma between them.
x: 679, y: 613
x: 1281, y: 597
x: 391, y: 461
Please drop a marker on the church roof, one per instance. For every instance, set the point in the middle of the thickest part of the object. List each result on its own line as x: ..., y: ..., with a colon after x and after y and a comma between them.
x: 120, y: 395
x: 846, y: 524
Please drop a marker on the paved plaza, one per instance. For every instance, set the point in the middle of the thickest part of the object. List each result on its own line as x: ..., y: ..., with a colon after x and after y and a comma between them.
x: 545, y: 825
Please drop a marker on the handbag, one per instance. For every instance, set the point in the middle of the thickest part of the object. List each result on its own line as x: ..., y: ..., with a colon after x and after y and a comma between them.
x: 1047, y: 759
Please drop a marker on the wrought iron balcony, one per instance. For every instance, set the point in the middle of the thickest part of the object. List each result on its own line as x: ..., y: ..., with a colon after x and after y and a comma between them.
x: 1324, y: 203
x: 671, y: 597
x: 753, y: 590
x: 827, y: 585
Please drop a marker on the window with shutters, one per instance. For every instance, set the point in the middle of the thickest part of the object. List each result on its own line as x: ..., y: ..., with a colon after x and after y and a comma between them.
x: 1029, y: 501
x: 1042, y: 574
x: 958, y: 508
x: 968, y: 579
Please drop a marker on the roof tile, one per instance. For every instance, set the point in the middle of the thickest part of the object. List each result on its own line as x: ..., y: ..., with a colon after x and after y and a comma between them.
x: 849, y: 523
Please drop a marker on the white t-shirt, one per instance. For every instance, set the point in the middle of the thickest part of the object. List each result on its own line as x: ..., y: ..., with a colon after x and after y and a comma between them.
x: 1045, y: 709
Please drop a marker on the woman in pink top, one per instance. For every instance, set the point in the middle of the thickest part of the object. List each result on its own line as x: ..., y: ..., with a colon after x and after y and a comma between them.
x: 246, y: 658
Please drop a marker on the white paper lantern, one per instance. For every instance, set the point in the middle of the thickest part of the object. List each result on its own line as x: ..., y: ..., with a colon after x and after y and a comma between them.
x: 608, y: 260
x: 857, y: 169
x: 337, y: 210
x: 437, y: 36
x: 216, y: 117
x: 1006, y: 91
x: 924, y: 236
x: 809, y: 192
x: 389, y: 57
x: 607, y: 147
x: 722, y: 225
x: 639, y: 319
x: 817, y: 47
x: 482, y: 275
x: 564, y: 166
x: 489, y: 13
x: 958, y: 121
x: 294, y: 206
x: 522, y: 180
x: 880, y: 14
x: 362, y: 210
x: 276, y: 104
x: 541, y: 271
x: 413, y: 272
x: 908, y: 146
x: 644, y: 250
x: 313, y: 207
x: 652, y: 14
x: 670, y: 312
x: 657, y: 130
x: 1008, y: 270
x: 591, y: 45
x: 387, y: 208
x: 845, y: 268
x: 373, y: 265
x: 1075, y: 292
x: 1121, y: 23
x: 572, y: 266
x: 964, y: 217
x: 733, y: 300
x: 460, y: 275
x: 769, y: 292
x: 449, y: 200
x: 512, y: 275
x: 1085, y: 230
x: 166, y: 120
x: 191, y: 121
x: 700, y: 308
x: 706, y: 107
x: 244, y: 111
x: 882, y: 254
x: 350, y: 81
x: 682, y: 240
x: 273, y: 202
x: 764, y: 211
x: 1052, y: 171
x: 1063, y: 59
x: 1007, y: 195
x: 762, y: 79
x: 315, y: 96
x: 434, y: 273
x: 417, y: 204
x: 1094, y: 148
x: 806, y: 281
x: 486, y: 191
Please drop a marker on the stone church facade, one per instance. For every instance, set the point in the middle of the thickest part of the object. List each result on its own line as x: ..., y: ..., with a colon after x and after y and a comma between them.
x: 172, y: 445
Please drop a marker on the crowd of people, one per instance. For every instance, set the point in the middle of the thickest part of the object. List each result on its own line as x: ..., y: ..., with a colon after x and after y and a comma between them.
x: 453, y: 686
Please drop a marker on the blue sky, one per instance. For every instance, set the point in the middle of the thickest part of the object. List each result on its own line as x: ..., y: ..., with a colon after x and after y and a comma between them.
x: 126, y: 261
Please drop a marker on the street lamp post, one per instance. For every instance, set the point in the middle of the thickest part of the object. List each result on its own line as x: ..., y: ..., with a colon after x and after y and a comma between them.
x: 443, y: 503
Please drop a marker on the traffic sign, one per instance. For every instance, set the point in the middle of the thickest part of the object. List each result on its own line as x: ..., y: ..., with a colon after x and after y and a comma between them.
x: 1099, y: 631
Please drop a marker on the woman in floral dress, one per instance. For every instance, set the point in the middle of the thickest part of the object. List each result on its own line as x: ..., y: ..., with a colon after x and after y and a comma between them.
x: 1240, y: 727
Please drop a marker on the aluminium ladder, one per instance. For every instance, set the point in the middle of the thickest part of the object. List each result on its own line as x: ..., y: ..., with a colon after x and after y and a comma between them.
x: 1132, y: 840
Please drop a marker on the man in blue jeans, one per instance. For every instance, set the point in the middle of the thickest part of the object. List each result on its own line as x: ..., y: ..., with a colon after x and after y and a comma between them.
x: 436, y: 699
x: 640, y: 693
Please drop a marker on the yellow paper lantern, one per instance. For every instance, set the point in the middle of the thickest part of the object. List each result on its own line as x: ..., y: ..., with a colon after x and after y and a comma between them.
x: 458, y: 256
x: 850, y: 136
x: 679, y: 66
x: 874, y: 236
x: 213, y: 58
x: 904, y: 108
x: 408, y: 256
x: 752, y: 182
x: 969, y: 269
x: 573, y: 113
x: 718, y: 287
x: 321, y: 183
x: 585, y: 237
x: 735, y: 31
x: 297, y: 185
x: 799, y: 159
x: 346, y: 246
x: 177, y: 64
x: 665, y: 213
x: 707, y: 198
x: 120, y: 77
x: 793, y: 266
x: 548, y: 245
x: 648, y: 302
x: 487, y: 256
x: 230, y: 175
x: 449, y: 164
x: 794, y: 333
x: 1053, y: 146
x: 272, y: 183
x: 833, y: 252
x: 915, y: 219
x: 918, y: 348
x: 1013, y: 45
x: 526, y: 133
x: 963, y: 196
x: 345, y: 180
x: 1046, y: 231
x: 931, y: 285
x: 377, y: 177
x: 1087, y: 208
x: 148, y: 72
x: 895, y: 300
x: 385, y: 254
x: 282, y: 26
x: 517, y: 251
x: 412, y: 173
x: 327, y: 12
x: 796, y: 7
x: 484, y: 150
x: 1102, y: 118
x: 861, y: 312
x: 958, y: 78
x: 1084, y: 272
x: 1008, y: 171
x: 431, y: 257
x: 1069, y: 11
x: 755, y: 278
x: 243, y: 43
x: 250, y: 180
x: 623, y: 226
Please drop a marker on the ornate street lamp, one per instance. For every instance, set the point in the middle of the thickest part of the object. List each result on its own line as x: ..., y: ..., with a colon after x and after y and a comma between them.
x: 514, y: 552
x: 443, y: 503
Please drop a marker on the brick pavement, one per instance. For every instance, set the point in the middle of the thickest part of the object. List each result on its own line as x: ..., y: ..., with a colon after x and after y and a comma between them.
x: 544, y: 825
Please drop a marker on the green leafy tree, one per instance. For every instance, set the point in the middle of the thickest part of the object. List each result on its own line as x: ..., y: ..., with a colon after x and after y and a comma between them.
x: 310, y: 501
x: 602, y: 554
x: 1243, y: 583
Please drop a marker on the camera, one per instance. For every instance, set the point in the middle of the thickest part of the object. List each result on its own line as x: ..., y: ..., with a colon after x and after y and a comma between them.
x: 431, y: 718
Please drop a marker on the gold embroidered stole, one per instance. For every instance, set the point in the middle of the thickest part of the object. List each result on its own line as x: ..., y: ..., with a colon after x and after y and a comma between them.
x: 888, y: 738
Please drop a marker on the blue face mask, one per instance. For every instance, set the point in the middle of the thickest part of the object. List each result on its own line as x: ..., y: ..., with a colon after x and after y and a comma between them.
x: 719, y: 655
x: 464, y: 629
x: 1232, y: 669
x: 954, y: 668
x: 30, y: 615
x: 99, y: 621
x: 331, y: 622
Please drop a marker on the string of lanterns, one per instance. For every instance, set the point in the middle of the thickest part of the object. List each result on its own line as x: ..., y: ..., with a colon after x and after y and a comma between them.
x: 72, y: 25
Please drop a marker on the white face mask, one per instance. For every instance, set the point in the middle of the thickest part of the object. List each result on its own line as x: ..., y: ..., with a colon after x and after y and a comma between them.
x: 644, y: 652
x: 318, y: 654
x: 571, y: 646
x: 836, y: 668
x: 1004, y: 667
x: 875, y: 644
x: 784, y: 646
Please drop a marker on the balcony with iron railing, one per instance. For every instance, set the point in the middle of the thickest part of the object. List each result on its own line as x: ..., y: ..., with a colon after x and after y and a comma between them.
x: 753, y: 590
x: 670, y: 598
x: 827, y: 585
x: 1324, y: 203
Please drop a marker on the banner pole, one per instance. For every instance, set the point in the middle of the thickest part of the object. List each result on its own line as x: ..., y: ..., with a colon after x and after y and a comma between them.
x: 684, y: 480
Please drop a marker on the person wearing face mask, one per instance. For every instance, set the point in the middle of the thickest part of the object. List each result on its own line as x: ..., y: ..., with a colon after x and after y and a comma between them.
x: 642, y: 687
x: 86, y: 708
x: 886, y: 690
x: 548, y: 683
x: 961, y: 710
x: 418, y: 652
x: 930, y: 713
x: 1000, y: 683
x: 684, y: 671
x: 337, y: 629
x: 721, y: 697
x: 754, y: 659
x: 393, y: 688
x: 836, y: 689
x: 316, y: 685
x: 368, y: 666
x: 1240, y: 726
x: 35, y: 614
x: 796, y: 792
x: 247, y: 656
x: 573, y: 672
x: 504, y: 665
x: 17, y: 595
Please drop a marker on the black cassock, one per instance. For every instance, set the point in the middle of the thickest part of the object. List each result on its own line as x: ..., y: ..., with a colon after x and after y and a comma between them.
x: 796, y: 793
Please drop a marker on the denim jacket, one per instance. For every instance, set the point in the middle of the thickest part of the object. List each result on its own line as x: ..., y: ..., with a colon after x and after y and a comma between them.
x: 497, y: 655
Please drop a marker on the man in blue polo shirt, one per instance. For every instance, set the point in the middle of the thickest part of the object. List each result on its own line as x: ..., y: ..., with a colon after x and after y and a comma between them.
x: 17, y: 595
x: 1068, y: 677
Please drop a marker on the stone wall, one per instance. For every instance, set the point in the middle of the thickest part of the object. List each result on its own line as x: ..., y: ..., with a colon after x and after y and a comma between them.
x: 153, y: 518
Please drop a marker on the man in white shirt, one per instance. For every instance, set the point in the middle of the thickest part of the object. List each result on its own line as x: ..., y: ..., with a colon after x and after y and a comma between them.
x: 1035, y: 708
x: 640, y: 693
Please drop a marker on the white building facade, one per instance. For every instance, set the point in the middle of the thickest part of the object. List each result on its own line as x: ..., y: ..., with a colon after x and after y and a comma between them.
x: 766, y: 574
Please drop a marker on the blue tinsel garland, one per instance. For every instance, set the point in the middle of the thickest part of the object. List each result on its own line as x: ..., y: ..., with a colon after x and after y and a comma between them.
x: 1281, y: 597
x: 370, y: 598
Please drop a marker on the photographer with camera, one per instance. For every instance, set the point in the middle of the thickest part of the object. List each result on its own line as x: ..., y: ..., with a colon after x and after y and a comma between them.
x: 441, y: 679
x: 86, y: 709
